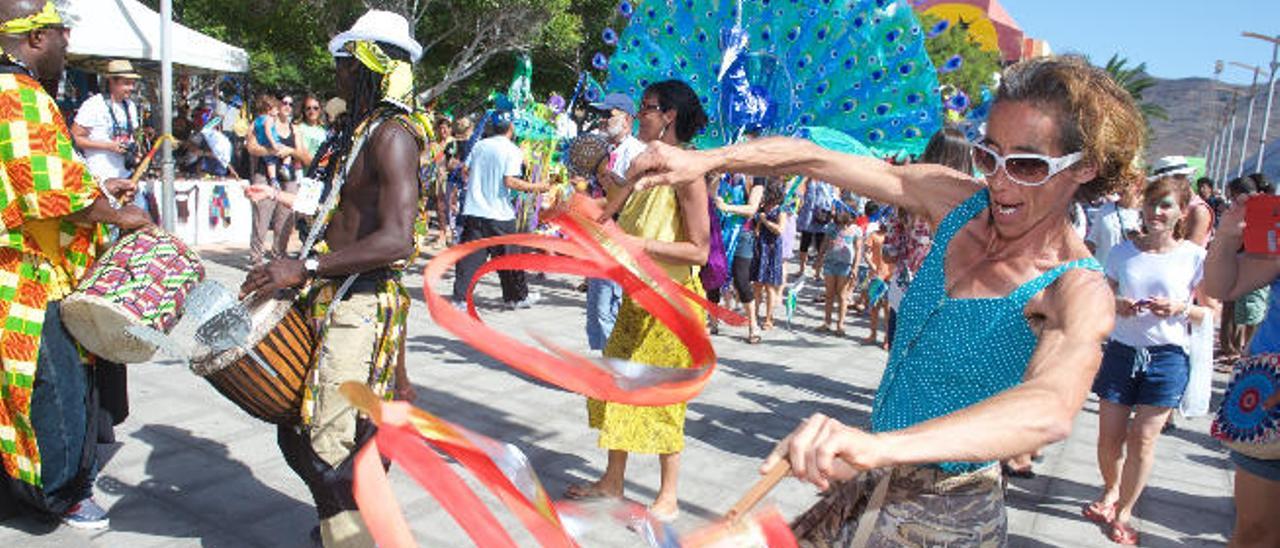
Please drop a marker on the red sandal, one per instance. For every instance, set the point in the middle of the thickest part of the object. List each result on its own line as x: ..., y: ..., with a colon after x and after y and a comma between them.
x: 1123, y: 533
x: 1101, y: 514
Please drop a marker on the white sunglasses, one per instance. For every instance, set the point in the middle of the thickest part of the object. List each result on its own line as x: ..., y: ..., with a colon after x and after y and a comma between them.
x: 1023, y: 169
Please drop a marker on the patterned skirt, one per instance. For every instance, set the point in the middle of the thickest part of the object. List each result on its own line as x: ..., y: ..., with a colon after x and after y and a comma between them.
x: 923, y: 507
x: 639, y: 337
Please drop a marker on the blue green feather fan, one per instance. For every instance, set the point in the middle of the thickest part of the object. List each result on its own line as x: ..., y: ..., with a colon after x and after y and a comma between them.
x: 857, y: 66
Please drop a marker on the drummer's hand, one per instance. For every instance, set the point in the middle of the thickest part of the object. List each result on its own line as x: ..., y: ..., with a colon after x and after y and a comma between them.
x: 120, y: 189
x: 822, y: 450
x: 273, y: 276
x: 131, y: 217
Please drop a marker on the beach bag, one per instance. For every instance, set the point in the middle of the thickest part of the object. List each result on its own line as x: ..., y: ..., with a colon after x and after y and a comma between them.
x: 1245, y: 423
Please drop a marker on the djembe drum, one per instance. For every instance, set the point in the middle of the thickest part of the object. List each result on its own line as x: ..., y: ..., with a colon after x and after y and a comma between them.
x: 1245, y: 423
x: 267, y: 376
x: 143, y: 281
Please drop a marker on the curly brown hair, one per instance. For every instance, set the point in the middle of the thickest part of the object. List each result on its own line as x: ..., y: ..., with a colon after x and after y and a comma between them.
x: 1095, y: 116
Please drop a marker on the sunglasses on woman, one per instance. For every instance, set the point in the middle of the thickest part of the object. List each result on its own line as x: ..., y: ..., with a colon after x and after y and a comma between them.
x: 1023, y: 169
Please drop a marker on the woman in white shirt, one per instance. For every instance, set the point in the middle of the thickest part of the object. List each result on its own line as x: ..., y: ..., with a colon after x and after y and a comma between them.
x: 1145, y: 367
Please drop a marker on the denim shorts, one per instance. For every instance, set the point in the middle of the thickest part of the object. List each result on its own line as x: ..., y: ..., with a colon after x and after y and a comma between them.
x: 837, y: 269
x: 1154, y: 375
x: 1265, y: 469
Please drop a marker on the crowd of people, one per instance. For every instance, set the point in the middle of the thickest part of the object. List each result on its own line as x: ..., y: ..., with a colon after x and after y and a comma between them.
x: 1007, y: 278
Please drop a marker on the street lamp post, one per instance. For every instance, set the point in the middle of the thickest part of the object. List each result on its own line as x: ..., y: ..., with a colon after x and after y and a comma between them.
x: 1248, y: 119
x: 1271, y: 91
x: 1231, y: 136
x: 1215, y: 141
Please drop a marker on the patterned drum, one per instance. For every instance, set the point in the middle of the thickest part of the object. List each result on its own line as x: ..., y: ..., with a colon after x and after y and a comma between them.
x: 267, y: 378
x: 1245, y: 423
x: 142, y: 280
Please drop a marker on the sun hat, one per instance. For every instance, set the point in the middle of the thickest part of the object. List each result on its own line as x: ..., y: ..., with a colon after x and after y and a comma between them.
x: 1170, y: 166
x: 617, y: 101
x: 121, y: 68
x: 378, y: 26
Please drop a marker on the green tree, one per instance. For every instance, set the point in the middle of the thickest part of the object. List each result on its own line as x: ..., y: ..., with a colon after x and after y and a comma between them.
x: 979, y: 66
x: 1136, y: 81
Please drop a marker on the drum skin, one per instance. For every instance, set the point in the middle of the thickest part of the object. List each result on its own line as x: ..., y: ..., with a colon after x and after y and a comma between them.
x: 286, y: 343
x: 141, y: 280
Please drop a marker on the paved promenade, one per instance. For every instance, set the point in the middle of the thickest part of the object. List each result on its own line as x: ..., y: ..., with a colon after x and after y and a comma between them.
x: 191, y: 469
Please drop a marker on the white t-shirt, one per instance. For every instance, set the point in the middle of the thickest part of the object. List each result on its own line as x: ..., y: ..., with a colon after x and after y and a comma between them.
x: 1140, y: 275
x: 95, y: 117
x: 622, y: 155
x: 1107, y: 227
x: 490, y: 162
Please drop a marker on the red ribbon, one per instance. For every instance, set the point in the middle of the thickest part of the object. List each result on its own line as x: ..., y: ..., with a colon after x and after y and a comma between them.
x: 594, y: 250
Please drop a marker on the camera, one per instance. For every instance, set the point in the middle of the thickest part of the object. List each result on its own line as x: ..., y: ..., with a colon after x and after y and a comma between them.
x: 131, y: 156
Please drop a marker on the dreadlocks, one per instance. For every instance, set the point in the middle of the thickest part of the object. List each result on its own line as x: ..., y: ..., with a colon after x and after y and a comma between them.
x: 366, y: 97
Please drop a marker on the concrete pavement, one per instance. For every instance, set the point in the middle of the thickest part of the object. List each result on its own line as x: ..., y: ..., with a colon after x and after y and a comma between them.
x: 191, y: 469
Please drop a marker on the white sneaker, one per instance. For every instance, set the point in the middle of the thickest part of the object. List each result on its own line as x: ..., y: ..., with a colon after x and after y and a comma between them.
x: 531, y: 299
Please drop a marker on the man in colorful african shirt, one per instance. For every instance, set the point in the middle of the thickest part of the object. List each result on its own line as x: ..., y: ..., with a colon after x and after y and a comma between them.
x: 51, y: 212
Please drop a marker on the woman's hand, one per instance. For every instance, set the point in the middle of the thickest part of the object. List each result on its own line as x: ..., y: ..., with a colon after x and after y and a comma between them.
x: 1232, y: 223
x: 1166, y: 308
x: 1126, y: 307
x: 822, y: 450
x: 720, y: 205
x: 259, y: 192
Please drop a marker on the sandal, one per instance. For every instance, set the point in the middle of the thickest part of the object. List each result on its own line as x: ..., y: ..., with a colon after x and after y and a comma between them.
x: 588, y: 491
x: 1099, y: 513
x: 1123, y: 533
x: 753, y: 339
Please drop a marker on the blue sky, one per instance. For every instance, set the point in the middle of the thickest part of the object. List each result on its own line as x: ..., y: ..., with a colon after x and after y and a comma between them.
x: 1176, y: 38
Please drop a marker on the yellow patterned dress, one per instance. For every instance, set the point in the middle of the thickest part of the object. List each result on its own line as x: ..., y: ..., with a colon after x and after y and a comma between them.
x: 652, y: 214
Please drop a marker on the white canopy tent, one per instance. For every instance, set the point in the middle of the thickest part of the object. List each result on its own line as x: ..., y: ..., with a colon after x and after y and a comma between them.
x: 128, y: 29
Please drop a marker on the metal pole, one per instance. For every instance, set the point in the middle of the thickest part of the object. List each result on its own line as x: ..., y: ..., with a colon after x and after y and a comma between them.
x: 1231, y: 137
x: 1248, y: 122
x: 1271, y: 93
x: 168, y: 209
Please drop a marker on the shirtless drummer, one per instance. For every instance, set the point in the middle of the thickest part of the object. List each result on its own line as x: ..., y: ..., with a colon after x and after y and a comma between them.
x: 368, y: 234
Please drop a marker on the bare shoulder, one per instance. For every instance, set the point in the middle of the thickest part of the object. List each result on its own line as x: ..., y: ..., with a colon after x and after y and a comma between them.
x: 945, y: 187
x: 1080, y: 302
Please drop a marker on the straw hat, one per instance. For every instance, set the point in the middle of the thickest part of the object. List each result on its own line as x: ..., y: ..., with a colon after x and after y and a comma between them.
x: 121, y: 68
x: 379, y: 26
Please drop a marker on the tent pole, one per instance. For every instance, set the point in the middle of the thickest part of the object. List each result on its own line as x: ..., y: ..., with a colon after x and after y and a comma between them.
x: 168, y: 208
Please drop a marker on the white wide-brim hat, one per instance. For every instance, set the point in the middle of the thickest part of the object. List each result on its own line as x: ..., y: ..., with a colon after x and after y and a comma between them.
x: 379, y: 26
x: 1170, y: 166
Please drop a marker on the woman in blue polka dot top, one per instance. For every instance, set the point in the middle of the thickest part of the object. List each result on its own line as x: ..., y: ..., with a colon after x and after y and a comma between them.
x: 1000, y: 335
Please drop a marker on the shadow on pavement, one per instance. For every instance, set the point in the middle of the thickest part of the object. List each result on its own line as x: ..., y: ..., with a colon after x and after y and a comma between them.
x: 781, y: 375
x: 555, y: 469
x: 196, y: 480
x: 1177, y: 511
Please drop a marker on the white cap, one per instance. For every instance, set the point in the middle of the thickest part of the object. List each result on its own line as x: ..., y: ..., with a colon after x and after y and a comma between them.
x: 379, y: 26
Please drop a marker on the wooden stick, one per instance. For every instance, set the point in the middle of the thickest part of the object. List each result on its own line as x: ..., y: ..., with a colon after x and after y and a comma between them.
x: 779, y: 470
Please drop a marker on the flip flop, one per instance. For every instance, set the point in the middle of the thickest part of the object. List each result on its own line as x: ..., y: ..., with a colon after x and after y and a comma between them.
x: 1123, y: 533
x: 1099, y: 513
x: 753, y: 339
x: 587, y: 491
x: 1024, y: 473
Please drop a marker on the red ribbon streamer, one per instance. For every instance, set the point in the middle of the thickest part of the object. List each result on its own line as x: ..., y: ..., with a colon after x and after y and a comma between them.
x: 594, y: 250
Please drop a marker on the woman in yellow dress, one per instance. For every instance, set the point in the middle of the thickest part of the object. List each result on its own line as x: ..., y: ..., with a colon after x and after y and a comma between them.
x: 672, y: 226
